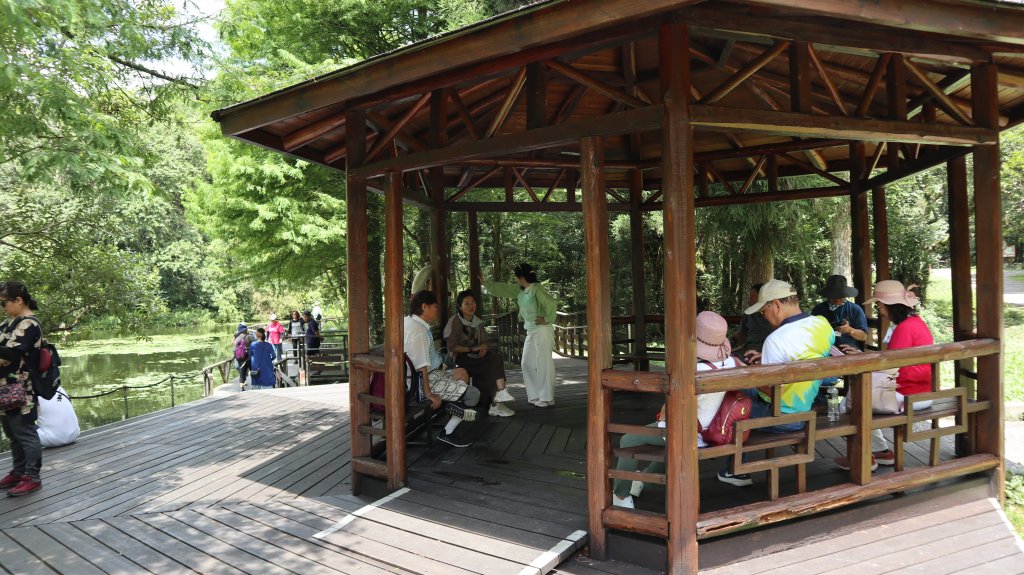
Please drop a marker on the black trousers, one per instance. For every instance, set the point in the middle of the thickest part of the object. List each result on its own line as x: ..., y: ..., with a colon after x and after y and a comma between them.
x: 26, y: 451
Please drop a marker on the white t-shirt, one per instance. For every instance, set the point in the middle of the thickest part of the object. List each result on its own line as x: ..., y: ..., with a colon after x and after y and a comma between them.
x: 57, y: 422
x: 708, y: 403
x: 416, y: 342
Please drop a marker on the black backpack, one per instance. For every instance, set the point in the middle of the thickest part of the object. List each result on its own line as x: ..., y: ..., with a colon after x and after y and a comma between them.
x: 44, y: 370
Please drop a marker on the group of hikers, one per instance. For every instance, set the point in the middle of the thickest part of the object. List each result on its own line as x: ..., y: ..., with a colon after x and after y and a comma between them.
x: 774, y: 330
x: 256, y: 352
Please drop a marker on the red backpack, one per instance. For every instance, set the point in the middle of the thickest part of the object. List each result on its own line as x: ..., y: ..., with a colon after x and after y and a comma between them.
x: 722, y: 429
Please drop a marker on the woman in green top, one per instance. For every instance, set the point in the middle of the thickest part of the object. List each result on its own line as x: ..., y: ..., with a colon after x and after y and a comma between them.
x: 537, y: 309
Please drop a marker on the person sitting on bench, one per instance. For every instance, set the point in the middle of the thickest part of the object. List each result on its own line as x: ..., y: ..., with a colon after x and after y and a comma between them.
x: 437, y: 384
x: 797, y: 337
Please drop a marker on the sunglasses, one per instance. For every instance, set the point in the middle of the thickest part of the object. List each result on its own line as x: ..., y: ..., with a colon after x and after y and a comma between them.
x: 765, y: 308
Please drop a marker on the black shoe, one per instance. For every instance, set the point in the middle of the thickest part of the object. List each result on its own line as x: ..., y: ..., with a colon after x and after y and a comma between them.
x: 457, y: 410
x: 450, y: 439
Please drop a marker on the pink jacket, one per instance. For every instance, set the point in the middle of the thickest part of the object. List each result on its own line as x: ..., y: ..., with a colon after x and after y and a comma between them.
x: 274, y: 332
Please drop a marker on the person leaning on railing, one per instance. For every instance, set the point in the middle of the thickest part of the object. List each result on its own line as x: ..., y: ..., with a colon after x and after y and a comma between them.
x: 713, y: 352
x: 467, y: 343
x: 797, y: 336
x: 906, y: 329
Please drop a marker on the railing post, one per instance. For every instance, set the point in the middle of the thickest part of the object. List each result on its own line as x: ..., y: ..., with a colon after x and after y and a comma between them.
x: 124, y: 392
x: 172, y: 390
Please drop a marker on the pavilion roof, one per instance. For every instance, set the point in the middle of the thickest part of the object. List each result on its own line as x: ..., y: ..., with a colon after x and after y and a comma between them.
x: 600, y: 59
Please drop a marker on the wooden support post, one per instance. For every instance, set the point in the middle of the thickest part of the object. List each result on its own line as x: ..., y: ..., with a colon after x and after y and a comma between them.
x: 859, y: 446
x: 438, y: 220
x: 682, y: 498
x: 963, y: 292
x: 799, y: 77
x: 474, y: 255
x: 988, y: 232
x: 358, y: 287
x: 636, y: 234
x: 394, y: 344
x: 860, y: 234
x: 880, y: 218
x: 896, y: 92
x: 536, y: 95
x: 599, y: 328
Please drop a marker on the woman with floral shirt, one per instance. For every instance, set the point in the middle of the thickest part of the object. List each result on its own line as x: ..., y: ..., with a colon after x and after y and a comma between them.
x: 20, y: 337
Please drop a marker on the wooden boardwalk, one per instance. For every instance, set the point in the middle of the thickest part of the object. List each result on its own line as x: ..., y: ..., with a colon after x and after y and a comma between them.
x: 258, y: 482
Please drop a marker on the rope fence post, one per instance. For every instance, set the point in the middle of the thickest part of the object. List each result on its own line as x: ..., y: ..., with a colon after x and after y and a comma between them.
x: 172, y: 390
x: 124, y: 392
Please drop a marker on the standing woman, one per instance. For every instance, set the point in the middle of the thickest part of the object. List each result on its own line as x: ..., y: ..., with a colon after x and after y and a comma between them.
x: 537, y: 309
x: 296, y: 330
x: 20, y: 337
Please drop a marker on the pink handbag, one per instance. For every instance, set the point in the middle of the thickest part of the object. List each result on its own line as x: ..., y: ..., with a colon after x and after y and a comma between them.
x: 13, y: 396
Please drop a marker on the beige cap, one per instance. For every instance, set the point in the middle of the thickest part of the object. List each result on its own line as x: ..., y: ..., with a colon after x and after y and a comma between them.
x: 773, y: 290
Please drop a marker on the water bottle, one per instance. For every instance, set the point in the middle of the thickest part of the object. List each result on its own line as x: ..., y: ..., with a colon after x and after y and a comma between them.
x: 833, y: 405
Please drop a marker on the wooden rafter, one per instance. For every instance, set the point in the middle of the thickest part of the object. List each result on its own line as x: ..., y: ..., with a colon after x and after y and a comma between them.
x: 743, y: 73
x: 753, y: 175
x: 814, y: 156
x: 506, y: 106
x: 596, y: 85
x: 951, y: 84
x: 465, y: 189
x: 307, y: 134
x: 941, y: 98
x: 868, y: 96
x: 827, y: 80
x: 384, y: 126
x: 618, y: 197
x: 875, y: 157
x: 464, y: 115
x: 398, y: 126
x: 521, y: 177
x: 554, y: 185
x: 812, y: 169
x: 718, y: 176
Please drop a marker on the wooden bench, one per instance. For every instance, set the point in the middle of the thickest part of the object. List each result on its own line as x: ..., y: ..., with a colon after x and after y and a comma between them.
x: 946, y: 403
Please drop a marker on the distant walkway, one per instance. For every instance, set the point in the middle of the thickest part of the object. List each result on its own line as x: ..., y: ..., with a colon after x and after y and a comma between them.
x: 1013, y: 284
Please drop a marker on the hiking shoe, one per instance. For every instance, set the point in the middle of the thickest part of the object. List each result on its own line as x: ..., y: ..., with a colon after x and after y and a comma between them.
x: 499, y: 410
x: 636, y: 488
x: 451, y: 440
x: 886, y: 457
x: 457, y: 410
x: 503, y: 395
x: 737, y: 480
x: 10, y: 480
x: 626, y: 501
x: 24, y: 487
x: 842, y: 462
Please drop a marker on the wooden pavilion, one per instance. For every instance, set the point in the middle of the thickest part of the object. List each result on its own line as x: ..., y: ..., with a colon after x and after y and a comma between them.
x: 641, y: 106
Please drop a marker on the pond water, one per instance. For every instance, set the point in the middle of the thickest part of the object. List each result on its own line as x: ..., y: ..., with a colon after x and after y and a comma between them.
x: 102, y: 364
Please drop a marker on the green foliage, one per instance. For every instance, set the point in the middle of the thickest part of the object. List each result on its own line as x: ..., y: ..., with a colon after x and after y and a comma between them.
x: 916, y: 208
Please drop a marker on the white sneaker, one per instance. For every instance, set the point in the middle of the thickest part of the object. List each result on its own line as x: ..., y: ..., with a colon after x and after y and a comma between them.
x: 503, y: 395
x: 540, y: 403
x: 636, y: 488
x: 499, y: 410
x: 626, y: 501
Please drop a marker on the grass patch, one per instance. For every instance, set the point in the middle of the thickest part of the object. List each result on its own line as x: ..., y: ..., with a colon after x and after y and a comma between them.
x: 938, y: 314
x: 1015, y: 501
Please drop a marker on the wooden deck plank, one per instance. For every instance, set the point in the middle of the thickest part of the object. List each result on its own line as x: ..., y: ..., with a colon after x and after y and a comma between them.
x: 16, y: 559
x: 171, y: 547
x: 244, y: 540
x: 51, y: 552
x: 303, y: 546
x: 132, y: 549
x: 286, y: 522
x: 91, y: 549
x: 968, y: 559
x: 239, y: 559
x: 1008, y: 565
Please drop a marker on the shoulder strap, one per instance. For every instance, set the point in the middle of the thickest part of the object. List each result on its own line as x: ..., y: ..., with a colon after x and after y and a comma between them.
x: 709, y: 364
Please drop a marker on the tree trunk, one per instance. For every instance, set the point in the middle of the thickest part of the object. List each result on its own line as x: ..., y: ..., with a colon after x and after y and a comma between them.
x: 842, y: 257
x: 759, y: 265
x: 497, y: 273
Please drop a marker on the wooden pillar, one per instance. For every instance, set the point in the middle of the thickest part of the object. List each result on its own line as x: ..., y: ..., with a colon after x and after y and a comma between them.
x: 682, y: 501
x: 394, y: 344
x: 435, y: 182
x: 896, y: 93
x: 960, y: 264
x: 880, y: 218
x: 358, y: 286
x: 989, y: 247
x: 474, y: 255
x: 636, y: 235
x: 860, y: 234
x: 599, y: 331
x: 800, y: 77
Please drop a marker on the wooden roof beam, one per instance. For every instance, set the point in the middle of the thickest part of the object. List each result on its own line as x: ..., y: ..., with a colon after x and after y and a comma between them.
x: 829, y: 37
x: 939, y: 94
x: 814, y: 126
x: 307, y: 134
x: 570, y: 132
x: 999, y: 23
x: 507, y: 104
x: 746, y: 71
x: 597, y: 85
x: 398, y: 126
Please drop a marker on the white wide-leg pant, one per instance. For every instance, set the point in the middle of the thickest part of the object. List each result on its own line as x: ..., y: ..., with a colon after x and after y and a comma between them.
x: 538, y: 365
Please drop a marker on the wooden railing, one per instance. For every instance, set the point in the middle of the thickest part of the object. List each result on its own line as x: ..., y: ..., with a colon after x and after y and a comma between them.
x: 958, y: 402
